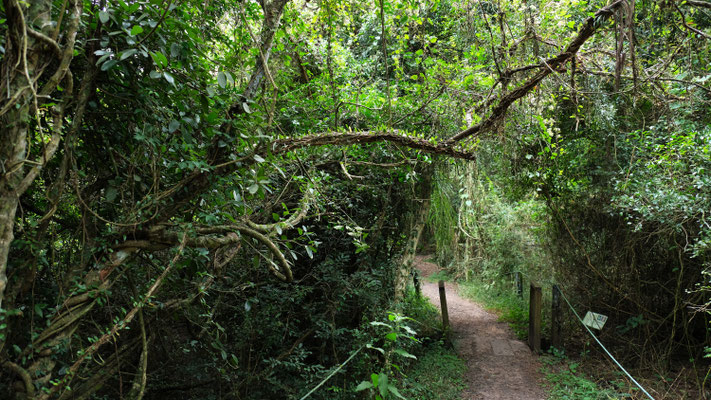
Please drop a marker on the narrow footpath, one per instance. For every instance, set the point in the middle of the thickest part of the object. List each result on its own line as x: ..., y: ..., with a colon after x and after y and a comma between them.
x: 499, y: 366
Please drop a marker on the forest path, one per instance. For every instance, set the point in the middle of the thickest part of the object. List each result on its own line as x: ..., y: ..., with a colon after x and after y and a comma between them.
x: 499, y: 366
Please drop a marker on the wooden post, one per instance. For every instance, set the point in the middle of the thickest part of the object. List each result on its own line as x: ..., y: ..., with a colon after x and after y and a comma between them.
x: 416, y: 282
x: 519, y: 284
x: 443, y: 302
x: 534, y: 319
x: 556, y: 335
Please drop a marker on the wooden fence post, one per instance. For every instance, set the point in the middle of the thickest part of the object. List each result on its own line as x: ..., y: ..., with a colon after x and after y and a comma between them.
x: 416, y: 282
x: 519, y: 284
x: 534, y: 319
x: 443, y: 302
x: 556, y: 335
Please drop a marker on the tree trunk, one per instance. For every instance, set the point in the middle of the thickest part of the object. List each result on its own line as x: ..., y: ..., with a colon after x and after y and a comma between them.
x: 404, y: 271
x: 17, y: 67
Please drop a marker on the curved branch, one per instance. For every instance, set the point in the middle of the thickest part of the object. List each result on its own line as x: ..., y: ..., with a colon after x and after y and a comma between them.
x: 291, y: 222
x: 689, y: 27
x: 24, y: 375
x: 68, y: 52
x: 284, y: 273
x: 47, y: 40
x: 589, y: 28
x: 160, y: 239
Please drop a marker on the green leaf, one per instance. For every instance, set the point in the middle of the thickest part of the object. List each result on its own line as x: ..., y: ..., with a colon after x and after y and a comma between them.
x: 103, y: 17
x: 174, y: 125
x: 107, y: 65
x: 168, y: 77
x: 253, y: 189
x: 363, y: 385
x: 174, y: 50
x: 128, y: 53
x: 221, y: 79
x: 394, y: 391
x: 383, y: 388
x: 111, y: 194
x: 137, y: 29
x: 391, y: 336
x: 405, y: 354
x: 375, y: 378
x: 160, y: 60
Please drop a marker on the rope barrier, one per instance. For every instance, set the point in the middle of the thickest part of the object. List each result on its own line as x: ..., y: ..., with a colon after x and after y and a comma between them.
x: 603, y: 346
x: 596, y: 339
x: 333, y: 373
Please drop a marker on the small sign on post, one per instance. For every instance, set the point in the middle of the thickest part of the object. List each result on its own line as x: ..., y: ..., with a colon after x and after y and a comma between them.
x: 595, y: 320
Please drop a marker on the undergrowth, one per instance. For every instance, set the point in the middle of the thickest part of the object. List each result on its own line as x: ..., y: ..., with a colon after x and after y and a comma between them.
x: 420, y: 365
x: 438, y: 375
x: 566, y: 382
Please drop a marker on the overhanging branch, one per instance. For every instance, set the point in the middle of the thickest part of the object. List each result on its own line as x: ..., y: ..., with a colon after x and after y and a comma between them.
x: 590, y: 26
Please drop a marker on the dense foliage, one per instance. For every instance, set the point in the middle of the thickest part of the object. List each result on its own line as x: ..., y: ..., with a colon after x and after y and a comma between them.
x: 216, y: 199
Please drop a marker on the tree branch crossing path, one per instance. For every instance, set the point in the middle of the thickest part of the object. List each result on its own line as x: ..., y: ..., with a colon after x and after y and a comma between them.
x: 499, y: 366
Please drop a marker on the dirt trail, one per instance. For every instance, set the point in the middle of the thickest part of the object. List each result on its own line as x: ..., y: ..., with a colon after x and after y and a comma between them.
x: 499, y: 367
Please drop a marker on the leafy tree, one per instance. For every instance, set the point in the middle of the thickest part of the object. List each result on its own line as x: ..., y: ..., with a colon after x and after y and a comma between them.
x: 174, y: 174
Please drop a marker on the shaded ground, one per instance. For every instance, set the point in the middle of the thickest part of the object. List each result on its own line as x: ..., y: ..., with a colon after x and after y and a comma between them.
x: 499, y: 367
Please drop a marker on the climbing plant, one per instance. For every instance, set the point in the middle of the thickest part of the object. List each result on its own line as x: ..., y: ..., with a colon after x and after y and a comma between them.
x: 173, y: 173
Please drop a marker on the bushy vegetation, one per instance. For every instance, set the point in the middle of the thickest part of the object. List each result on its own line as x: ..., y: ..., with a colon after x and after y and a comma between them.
x: 231, y: 193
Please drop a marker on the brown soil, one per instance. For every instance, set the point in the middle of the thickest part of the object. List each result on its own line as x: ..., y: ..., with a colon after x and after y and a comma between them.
x: 499, y: 367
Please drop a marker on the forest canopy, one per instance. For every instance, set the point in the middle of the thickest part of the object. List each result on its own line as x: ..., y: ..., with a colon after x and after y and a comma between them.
x: 228, y: 191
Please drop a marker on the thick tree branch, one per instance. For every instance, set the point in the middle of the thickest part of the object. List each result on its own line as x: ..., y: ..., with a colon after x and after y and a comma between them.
x: 209, y: 237
x: 590, y: 26
x: 24, y: 375
x: 293, y: 219
x: 697, y: 3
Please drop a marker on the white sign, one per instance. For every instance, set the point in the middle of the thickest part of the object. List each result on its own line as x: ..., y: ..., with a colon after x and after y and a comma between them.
x: 595, y: 320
